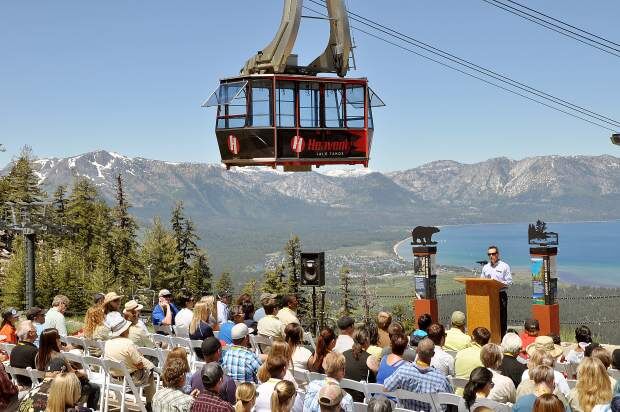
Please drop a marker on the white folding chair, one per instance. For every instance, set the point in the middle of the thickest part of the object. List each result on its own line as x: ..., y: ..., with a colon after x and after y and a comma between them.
x: 371, y: 389
x: 444, y: 398
x: 457, y: 382
x: 7, y: 347
x: 259, y: 342
x: 128, y: 385
x: 15, y: 372
x: 90, y: 344
x: 167, y: 329
x: 181, y: 331
x: 492, y: 405
x: 309, y: 339
x: 162, y: 341
x: 96, y: 373
x: 75, y: 341
x: 315, y: 376
x: 353, y: 385
x: 157, y: 354
x: 403, y: 395
x: 359, y: 407
x: 300, y: 375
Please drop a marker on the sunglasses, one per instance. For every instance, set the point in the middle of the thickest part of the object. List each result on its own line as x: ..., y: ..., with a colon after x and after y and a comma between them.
x: 492, y: 254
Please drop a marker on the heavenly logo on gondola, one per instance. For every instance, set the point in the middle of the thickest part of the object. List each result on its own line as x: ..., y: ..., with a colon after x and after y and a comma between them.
x: 298, y: 145
x: 233, y: 144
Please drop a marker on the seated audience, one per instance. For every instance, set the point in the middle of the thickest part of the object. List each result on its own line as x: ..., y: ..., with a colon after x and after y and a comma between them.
x: 55, y: 318
x: 604, y: 356
x: 476, y: 391
x: 544, y: 352
x: 334, y: 369
x: 236, y: 316
x: 373, y: 337
x: 165, y: 311
x: 184, y: 317
x: 111, y: 303
x: 424, y: 321
x: 543, y: 378
x: 274, y: 370
x: 293, y: 335
x: 583, y: 337
x: 456, y: 338
x: 137, y: 334
x: 442, y: 360
x: 511, y: 367
x: 279, y: 348
x: 384, y: 320
x: 121, y: 349
x: 240, y: 362
x: 64, y: 394
x: 357, y: 364
x: 36, y: 398
x: 245, y: 301
x: 171, y: 396
x: 199, y: 327
x: 325, y: 343
x: 504, y: 390
x: 25, y: 353
x: 223, y: 299
x: 209, y: 400
x: 593, y: 386
x: 264, y: 298
x: 181, y: 354
x: 95, y: 328
x: 212, y: 352
x: 284, y: 398
x: 8, y: 326
x: 8, y: 391
x: 246, y: 397
x: 468, y: 359
x: 288, y: 313
x: 330, y: 397
x: 531, y: 329
x: 419, y: 377
x: 211, y: 303
x: 37, y: 316
x: 49, y: 349
x: 346, y: 325
x: 390, y: 363
x: 380, y: 404
x: 548, y: 403
x: 270, y: 325
x: 396, y: 328
x: 527, y: 385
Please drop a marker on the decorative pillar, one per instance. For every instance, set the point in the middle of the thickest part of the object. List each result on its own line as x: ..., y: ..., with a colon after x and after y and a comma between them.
x: 425, y: 276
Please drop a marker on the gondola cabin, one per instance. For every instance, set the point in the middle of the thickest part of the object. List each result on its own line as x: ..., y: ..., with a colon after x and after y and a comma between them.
x: 294, y: 121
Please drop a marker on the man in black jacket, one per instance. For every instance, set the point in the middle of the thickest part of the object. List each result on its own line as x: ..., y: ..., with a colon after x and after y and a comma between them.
x: 24, y: 353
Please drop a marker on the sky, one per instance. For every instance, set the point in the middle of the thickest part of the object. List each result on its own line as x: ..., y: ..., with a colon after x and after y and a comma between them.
x: 130, y: 77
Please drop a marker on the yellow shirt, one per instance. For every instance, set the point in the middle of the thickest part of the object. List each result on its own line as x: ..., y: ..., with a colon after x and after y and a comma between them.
x: 456, y: 340
x: 125, y: 351
x: 271, y: 326
x: 467, y: 360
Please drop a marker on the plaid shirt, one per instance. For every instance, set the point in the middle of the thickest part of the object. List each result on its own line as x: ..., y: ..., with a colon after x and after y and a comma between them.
x: 210, y: 402
x: 241, y: 364
x: 171, y: 400
x: 311, y: 400
x: 414, y: 378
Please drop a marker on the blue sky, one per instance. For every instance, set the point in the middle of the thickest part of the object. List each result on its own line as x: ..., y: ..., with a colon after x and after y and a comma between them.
x: 78, y: 76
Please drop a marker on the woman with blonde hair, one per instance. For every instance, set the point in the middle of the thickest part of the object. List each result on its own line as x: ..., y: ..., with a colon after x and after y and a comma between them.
x: 279, y: 348
x: 199, y: 328
x: 211, y: 302
x: 246, y: 397
x: 593, y: 386
x: 64, y: 394
x: 95, y: 328
x: 283, y: 397
x: 541, y: 357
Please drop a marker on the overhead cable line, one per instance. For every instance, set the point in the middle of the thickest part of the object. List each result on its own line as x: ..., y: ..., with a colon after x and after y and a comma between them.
x: 471, y: 66
x: 546, y: 21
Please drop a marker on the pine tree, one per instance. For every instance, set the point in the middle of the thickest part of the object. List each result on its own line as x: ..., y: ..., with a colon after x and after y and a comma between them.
x: 13, y: 282
x: 200, y: 280
x: 293, y: 264
x: 186, y: 238
x: 82, y: 208
x: 160, y: 257
x: 250, y: 288
x: 59, y: 212
x: 22, y: 182
x: 368, y: 298
x: 347, y: 302
x: 272, y: 281
x: 224, y: 284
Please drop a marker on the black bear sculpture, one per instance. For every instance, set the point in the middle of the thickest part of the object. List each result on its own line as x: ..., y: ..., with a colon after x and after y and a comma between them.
x: 422, y: 235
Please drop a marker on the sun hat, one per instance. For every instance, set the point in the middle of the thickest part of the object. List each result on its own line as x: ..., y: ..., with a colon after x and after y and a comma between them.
x: 239, y: 331
x: 546, y: 344
x: 111, y: 297
x: 132, y: 305
x: 164, y: 292
x: 330, y: 395
x: 457, y: 318
x: 116, y: 323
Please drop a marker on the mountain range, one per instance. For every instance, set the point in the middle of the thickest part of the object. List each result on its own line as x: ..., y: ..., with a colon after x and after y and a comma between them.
x: 243, y: 213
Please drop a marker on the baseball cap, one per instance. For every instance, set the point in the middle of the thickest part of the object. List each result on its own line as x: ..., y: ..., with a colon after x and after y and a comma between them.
x: 35, y: 311
x: 330, y: 395
x: 265, y: 296
x: 164, y: 292
x: 458, y: 318
x: 9, y: 313
x: 239, y: 331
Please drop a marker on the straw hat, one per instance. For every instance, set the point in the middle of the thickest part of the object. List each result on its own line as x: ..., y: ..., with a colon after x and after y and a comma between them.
x: 116, y: 323
x: 546, y: 344
x: 111, y: 297
x: 132, y: 305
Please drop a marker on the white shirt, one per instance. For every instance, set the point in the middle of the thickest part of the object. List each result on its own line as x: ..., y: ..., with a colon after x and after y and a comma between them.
x: 222, y: 312
x: 263, y: 400
x: 286, y: 315
x: 55, y: 319
x: 183, y: 318
x: 443, y: 361
x: 503, y: 390
x: 300, y: 357
x: 343, y: 343
x: 499, y: 272
x: 559, y: 380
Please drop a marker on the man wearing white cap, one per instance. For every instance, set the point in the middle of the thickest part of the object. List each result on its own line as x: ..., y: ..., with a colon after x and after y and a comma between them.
x: 239, y: 361
x: 136, y: 333
x: 121, y: 349
x: 165, y: 311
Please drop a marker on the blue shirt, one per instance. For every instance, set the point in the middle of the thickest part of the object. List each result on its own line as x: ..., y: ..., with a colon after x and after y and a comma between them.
x: 226, y: 330
x: 259, y: 314
x: 158, y: 314
x: 241, y: 364
x: 414, y: 378
x: 386, y: 370
x: 40, y: 327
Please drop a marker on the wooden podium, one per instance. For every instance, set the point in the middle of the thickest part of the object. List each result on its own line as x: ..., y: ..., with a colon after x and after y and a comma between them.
x: 482, y: 303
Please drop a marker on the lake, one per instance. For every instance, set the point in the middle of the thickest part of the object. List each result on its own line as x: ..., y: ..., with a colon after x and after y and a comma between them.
x: 588, y: 252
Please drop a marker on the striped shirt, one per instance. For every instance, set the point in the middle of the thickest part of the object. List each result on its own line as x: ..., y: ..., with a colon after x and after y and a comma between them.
x: 241, y: 364
x: 171, y: 400
x: 414, y: 378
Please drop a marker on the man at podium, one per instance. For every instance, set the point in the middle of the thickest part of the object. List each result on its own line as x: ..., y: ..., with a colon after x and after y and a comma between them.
x: 500, y: 271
